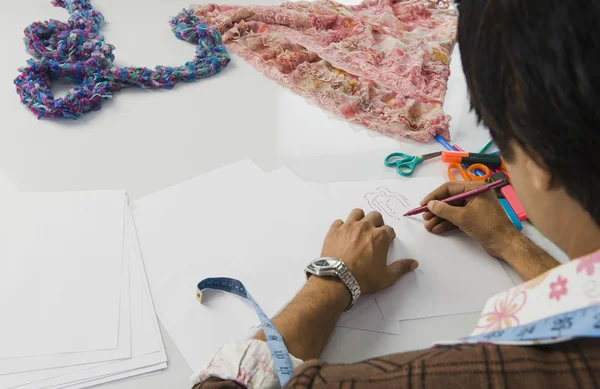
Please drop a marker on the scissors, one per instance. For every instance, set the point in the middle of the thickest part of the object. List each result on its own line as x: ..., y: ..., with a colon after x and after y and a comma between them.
x: 468, y: 174
x: 405, y: 164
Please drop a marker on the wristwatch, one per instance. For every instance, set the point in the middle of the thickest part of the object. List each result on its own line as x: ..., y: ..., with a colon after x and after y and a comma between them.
x: 333, y: 267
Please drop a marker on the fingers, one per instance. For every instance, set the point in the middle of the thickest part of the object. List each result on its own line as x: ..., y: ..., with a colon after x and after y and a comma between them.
x: 335, y: 225
x: 432, y: 225
x: 428, y: 215
x: 375, y: 219
x: 442, y: 227
x: 432, y: 222
x: 356, y: 215
x: 387, y: 232
x: 444, y: 210
x: 450, y: 189
x: 399, y: 268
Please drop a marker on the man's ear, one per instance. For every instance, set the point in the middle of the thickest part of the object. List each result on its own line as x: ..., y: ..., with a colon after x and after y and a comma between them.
x: 540, y: 176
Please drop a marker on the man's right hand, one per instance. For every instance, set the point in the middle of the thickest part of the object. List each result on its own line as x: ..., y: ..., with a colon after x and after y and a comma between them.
x: 481, y: 217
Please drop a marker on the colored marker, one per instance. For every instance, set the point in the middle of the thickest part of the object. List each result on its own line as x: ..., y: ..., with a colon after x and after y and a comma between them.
x: 511, y: 214
x: 509, y: 194
x: 511, y: 197
x: 443, y: 142
x: 509, y: 207
x: 487, y: 146
x: 464, y: 157
x: 461, y: 196
x: 477, y: 172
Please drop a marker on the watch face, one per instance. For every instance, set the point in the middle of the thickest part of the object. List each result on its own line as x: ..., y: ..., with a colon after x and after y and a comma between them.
x: 325, y: 263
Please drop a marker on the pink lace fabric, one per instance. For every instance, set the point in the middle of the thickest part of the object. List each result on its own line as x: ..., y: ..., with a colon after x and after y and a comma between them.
x: 383, y: 64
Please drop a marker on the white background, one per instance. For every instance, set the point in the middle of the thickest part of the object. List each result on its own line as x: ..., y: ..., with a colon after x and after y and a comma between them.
x: 143, y: 140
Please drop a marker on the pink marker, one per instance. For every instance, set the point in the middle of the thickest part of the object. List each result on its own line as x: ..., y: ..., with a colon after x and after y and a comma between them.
x: 461, y: 196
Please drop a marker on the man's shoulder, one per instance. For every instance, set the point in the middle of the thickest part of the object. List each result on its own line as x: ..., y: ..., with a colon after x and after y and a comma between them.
x: 572, y: 364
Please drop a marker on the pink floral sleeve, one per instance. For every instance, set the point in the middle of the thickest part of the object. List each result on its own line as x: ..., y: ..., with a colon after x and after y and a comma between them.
x: 248, y: 363
x: 568, y: 287
x: 571, y: 286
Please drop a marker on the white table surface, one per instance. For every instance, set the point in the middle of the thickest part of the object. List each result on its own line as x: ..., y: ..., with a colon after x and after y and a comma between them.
x: 144, y: 140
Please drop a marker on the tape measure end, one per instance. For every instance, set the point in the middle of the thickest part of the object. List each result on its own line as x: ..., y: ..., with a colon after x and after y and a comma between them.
x: 199, y: 296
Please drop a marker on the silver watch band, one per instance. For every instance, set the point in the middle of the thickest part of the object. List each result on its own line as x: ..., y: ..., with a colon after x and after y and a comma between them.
x: 348, y: 279
x: 334, y: 267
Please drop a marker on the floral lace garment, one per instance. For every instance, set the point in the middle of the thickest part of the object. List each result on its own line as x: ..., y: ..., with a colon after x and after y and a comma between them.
x: 383, y: 64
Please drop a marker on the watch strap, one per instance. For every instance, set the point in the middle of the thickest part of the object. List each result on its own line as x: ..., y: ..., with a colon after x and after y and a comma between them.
x: 343, y: 274
x: 348, y: 279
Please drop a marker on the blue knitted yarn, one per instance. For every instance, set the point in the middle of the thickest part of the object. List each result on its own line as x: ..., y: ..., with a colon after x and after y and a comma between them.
x: 75, y: 51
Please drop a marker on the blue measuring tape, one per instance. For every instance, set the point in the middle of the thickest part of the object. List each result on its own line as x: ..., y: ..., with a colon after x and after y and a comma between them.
x: 583, y: 323
x: 279, y: 353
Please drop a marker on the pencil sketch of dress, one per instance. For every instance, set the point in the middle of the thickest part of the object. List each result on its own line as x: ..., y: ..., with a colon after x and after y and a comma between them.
x: 387, y: 202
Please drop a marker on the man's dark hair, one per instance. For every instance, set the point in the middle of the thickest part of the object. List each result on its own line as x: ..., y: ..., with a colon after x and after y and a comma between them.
x: 533, y: 74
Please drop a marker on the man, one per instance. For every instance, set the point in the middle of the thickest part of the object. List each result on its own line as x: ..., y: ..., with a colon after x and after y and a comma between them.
x: 532, y: 72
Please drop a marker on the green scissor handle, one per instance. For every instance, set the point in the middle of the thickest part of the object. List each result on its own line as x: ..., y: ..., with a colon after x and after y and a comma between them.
x: 405, y: 164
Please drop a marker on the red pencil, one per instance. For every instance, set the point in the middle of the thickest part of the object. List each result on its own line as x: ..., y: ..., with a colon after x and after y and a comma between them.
x: 462, y: 196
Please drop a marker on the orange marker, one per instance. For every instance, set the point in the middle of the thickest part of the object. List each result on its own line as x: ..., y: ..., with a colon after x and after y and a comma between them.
x: 466, y: 158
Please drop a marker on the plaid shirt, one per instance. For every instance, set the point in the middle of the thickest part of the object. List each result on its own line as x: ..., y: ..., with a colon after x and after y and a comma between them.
x: 573, y: 364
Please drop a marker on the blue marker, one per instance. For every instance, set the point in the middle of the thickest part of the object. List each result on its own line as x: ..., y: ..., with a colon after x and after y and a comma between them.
x: 511, y: 214
x: 443, y: 142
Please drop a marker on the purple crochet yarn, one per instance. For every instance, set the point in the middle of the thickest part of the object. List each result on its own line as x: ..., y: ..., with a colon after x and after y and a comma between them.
x: 75, y: 51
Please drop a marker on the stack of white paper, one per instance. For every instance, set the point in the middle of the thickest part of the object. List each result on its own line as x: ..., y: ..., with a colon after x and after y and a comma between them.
x: 76, y: 306
x: 263, y: 229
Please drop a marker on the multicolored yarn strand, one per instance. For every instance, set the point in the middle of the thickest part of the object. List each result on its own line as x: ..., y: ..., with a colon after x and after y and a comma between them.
x: 75, y: 51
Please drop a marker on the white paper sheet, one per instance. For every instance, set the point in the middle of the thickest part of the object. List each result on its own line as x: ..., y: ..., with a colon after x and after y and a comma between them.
x: 455, y: 274
x: 185, y: 232
x: 146, y: 341
x: 366, y: 315
x: 241, y: 231
x: 147, y: 352
x: 137, y: 373
x: 61, y: 267
x: 187, y: 205
x: 286, y: 223
x: 32, y: 366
